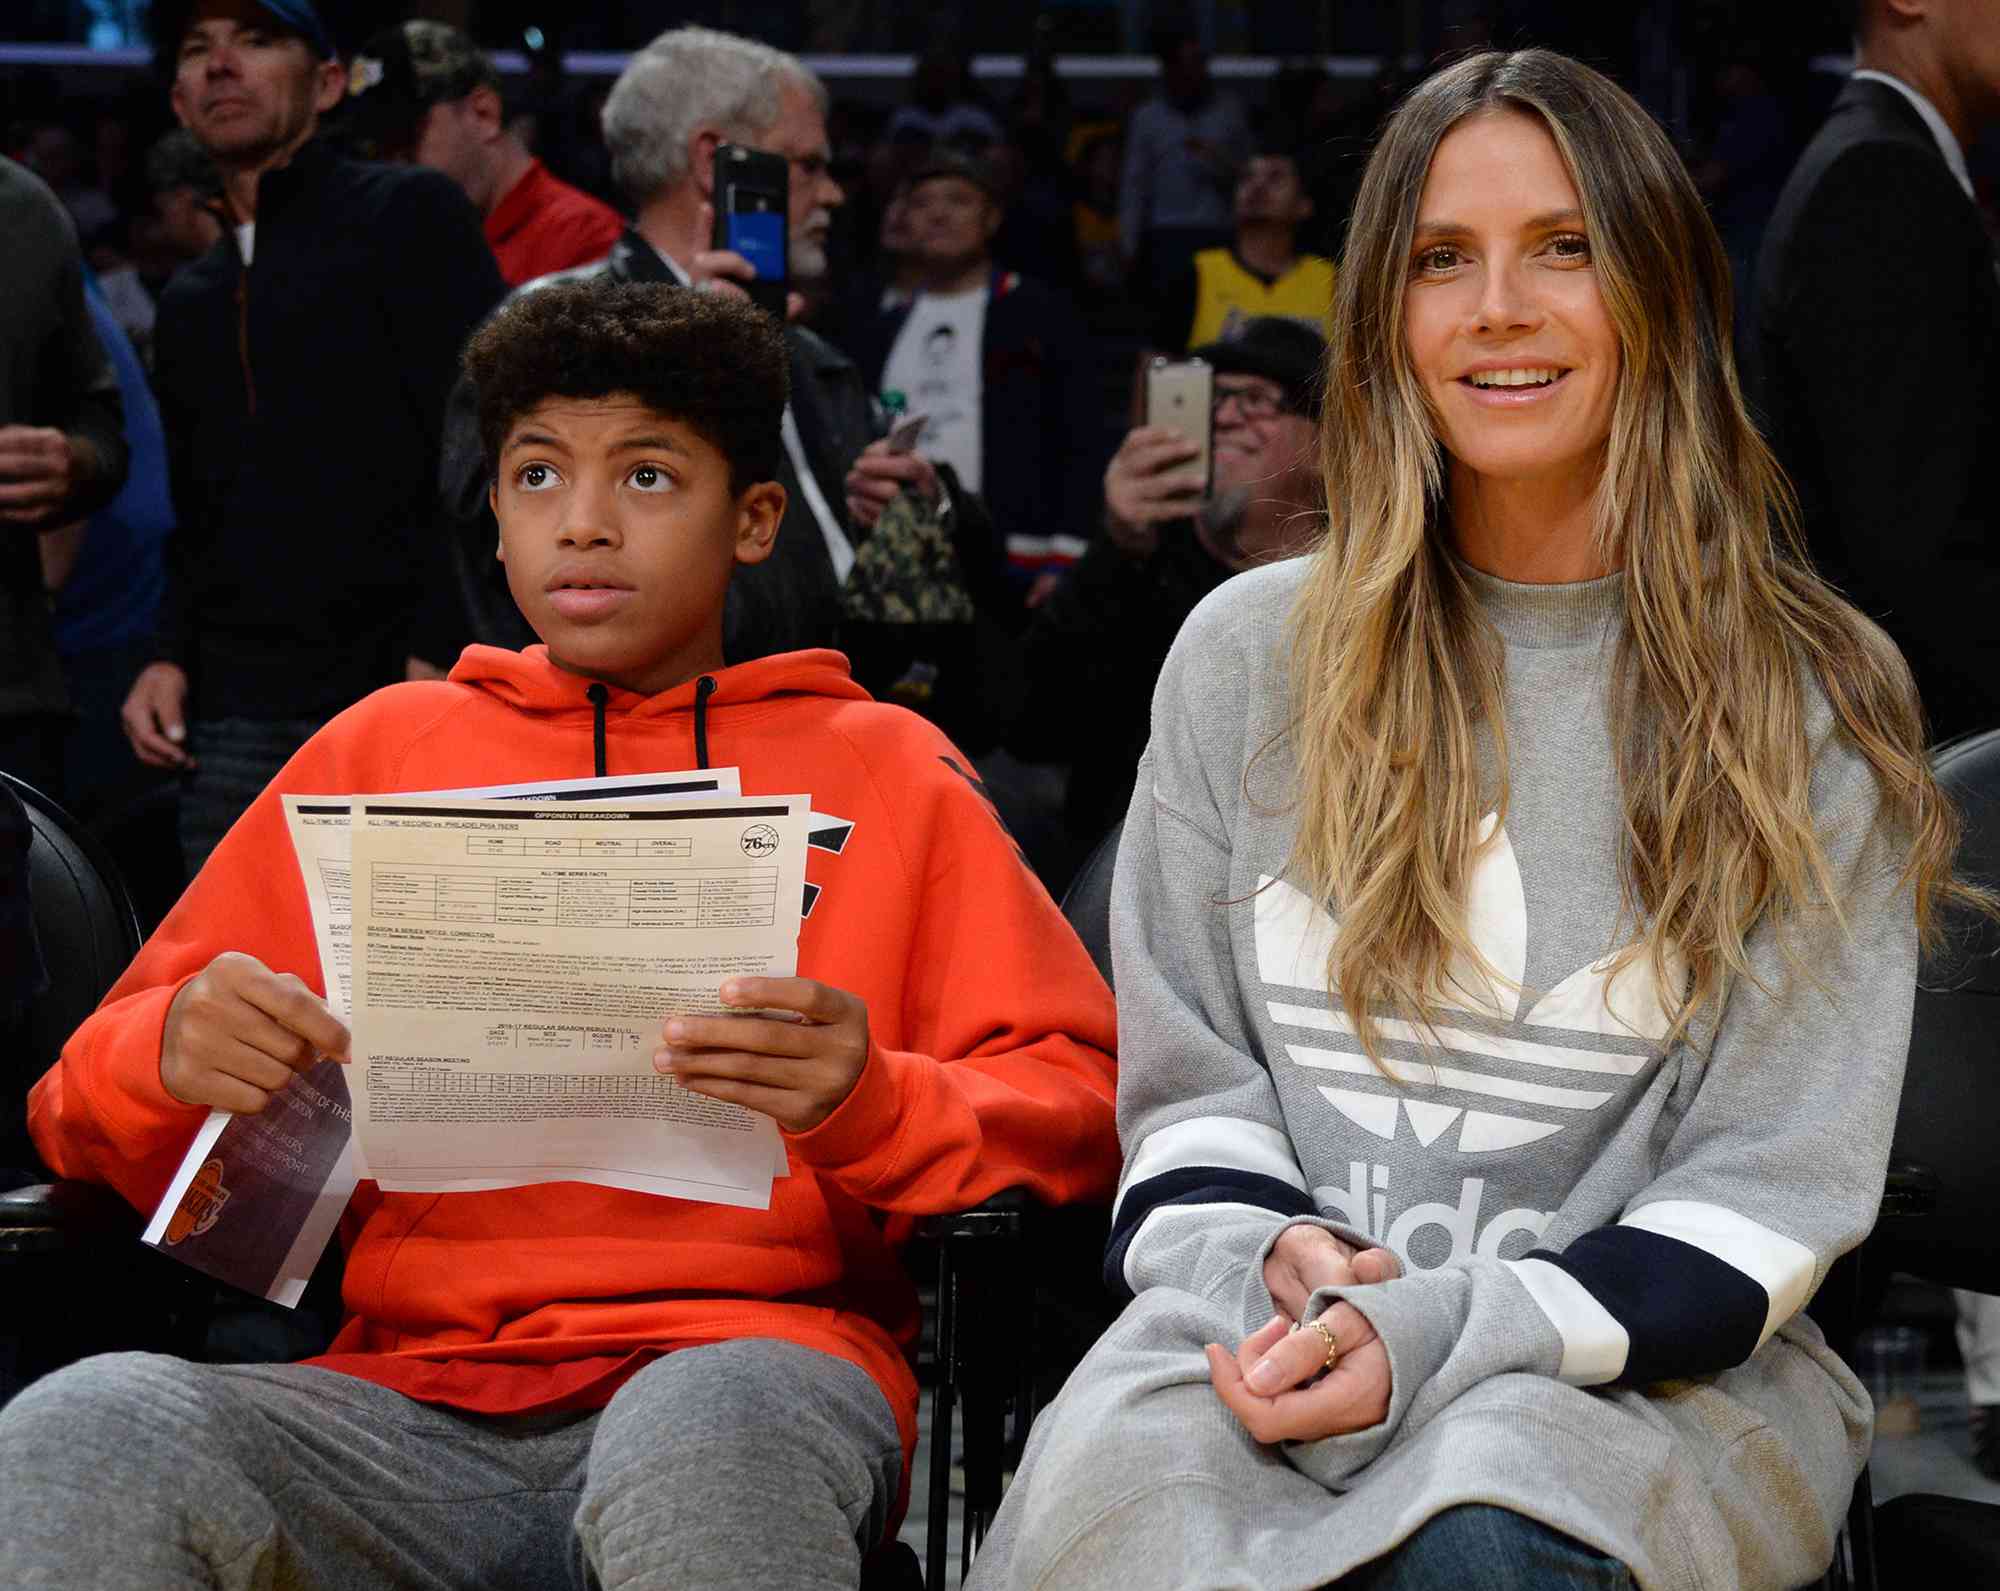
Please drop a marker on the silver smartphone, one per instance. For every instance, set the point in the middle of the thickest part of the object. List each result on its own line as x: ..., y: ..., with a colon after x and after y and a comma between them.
x: 1180, y: 395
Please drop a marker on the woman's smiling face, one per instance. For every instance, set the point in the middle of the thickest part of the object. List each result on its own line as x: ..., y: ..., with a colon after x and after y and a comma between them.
x: 1504, y: 322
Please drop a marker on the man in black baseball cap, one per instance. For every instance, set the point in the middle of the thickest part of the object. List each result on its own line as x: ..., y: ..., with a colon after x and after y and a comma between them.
x: 302, y: 366
x: 1096, y: 646
x: 171, y: 19
x: 423, y: 92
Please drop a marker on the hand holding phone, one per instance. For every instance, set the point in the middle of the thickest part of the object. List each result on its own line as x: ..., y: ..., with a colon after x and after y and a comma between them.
x: 752, y: 218
x: 1180, y: 396
x: 906, y: 433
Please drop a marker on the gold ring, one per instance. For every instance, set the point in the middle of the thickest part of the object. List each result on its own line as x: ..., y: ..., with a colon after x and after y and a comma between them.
x: 1332, y: 1344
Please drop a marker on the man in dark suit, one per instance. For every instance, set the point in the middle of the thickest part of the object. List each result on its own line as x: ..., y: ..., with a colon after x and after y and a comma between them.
x: 1877, y: 346
x: 1878, y: 342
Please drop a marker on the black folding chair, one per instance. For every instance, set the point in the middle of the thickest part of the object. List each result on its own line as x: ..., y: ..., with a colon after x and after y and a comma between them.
x: 1940, y: 1218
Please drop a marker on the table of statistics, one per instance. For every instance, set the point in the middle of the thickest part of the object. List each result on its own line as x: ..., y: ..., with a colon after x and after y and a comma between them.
x: 512, y: 967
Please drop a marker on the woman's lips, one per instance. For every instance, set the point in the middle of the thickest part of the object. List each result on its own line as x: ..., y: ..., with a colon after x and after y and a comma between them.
x: 1511, y: 397
x: 589, y: 602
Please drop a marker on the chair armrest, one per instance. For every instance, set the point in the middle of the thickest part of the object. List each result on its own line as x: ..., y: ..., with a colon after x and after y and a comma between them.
x: 999, y: 1216
x: 1911, y: 1189
x: 51, y: 1217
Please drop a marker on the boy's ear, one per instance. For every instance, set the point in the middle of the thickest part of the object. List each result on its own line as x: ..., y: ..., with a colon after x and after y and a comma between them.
x: 493, y: 502
x: 759, y: 511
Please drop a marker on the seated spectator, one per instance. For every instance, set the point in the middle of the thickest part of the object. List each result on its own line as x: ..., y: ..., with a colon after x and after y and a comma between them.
x: 1262, y: 272
x: 1094, y: 215
x: 999, y: 365
x: 424, y: 92
x: 1517, y: 924
x: 1095, y: 647
x: 686, y: 92
x: 186, y: 192
x: 557, y: 1381
x: 1183, y: 150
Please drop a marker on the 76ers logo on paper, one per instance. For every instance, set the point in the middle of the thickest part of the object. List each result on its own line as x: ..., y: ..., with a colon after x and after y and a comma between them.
x: 201, y: 1206
x: 760, y: 840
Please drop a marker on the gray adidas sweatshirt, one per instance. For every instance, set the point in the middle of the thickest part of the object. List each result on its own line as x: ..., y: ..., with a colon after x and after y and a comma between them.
x: 1626, y: 1232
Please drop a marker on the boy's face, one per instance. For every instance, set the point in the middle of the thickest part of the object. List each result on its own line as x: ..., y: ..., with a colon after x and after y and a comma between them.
x: 619, y: 532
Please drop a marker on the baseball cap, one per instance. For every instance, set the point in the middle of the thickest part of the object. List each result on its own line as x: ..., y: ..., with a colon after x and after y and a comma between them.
x: 947, y: 162
x: 298, y: 17
x: 1279, y: 349
x: 400, y: 73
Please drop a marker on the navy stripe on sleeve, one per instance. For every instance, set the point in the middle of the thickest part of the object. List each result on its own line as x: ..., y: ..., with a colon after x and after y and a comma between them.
x: 1190, y: 1185
x: 1685, y: 1312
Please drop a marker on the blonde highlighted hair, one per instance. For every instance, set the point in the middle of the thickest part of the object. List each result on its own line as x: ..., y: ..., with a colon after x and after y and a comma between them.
x: 1394, y: 668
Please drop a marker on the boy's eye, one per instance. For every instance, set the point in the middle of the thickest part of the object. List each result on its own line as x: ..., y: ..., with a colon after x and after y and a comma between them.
x: 535, y: 477
x: 650, y: 478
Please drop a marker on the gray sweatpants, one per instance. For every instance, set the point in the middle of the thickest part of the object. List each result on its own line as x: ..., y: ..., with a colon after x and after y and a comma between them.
x: 751, y: 1463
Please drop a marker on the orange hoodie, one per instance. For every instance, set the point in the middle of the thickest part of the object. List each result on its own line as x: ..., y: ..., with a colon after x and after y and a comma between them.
x: 989, y: 1064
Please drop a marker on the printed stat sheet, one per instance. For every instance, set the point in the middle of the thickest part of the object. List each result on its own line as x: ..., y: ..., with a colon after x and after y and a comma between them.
x: 512, y: 965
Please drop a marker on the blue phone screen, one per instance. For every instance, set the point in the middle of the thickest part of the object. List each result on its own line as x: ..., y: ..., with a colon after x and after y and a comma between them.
x: 760, y: 238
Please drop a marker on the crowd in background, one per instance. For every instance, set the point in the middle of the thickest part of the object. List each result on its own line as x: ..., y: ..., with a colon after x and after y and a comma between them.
x: 302, y: 512
x: 1111, y: 233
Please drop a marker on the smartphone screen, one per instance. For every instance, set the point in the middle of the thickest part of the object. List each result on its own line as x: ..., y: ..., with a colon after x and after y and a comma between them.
x: 757, y: 235
x: 1178, y: 397
x: 752, y: 189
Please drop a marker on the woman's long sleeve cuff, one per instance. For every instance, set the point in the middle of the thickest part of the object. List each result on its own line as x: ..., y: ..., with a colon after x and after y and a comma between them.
x: 1446, y: 1331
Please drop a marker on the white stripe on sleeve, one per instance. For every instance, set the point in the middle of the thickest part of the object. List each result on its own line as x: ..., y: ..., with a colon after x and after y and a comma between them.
x: 1227, y: 1141
x: 1782, y: 1267
x: 1594, y: 1344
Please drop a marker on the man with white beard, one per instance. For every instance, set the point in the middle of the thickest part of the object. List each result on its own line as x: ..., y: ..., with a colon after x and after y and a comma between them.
x: 688, y: 91
x: 1096, y: 645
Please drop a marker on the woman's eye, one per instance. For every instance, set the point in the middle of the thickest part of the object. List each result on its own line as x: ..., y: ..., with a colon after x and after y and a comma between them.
x: 651, y: 478
x: 1570, y: 246
x: 534, y: 477
x: 1441, y: 258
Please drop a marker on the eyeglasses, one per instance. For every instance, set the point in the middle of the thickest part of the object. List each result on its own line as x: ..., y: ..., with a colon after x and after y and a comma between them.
x: 1253, y: 403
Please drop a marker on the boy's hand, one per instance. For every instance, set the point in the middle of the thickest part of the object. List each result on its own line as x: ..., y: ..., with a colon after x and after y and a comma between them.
x: 797, y: 1073
x: 238, y: 1031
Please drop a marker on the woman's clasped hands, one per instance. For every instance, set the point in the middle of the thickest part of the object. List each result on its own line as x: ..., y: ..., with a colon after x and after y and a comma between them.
x: 1277, y: 1382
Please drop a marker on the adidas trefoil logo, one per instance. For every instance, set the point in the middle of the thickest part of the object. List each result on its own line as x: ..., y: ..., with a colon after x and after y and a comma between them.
x: 1493, y: 1107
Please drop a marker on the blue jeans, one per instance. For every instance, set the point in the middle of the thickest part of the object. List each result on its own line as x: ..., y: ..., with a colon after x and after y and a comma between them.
x: 1476, y: 1547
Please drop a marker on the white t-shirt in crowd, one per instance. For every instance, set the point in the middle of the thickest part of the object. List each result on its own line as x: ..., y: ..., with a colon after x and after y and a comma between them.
x: 936, y: 365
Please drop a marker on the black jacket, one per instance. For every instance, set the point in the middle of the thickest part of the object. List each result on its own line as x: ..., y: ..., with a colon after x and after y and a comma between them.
x: 790, y: 600
x: 53, y: 372
x: 1040, y: 426
x: 304, y: 401
x: 1094, y: 652
x: 1877, y: 356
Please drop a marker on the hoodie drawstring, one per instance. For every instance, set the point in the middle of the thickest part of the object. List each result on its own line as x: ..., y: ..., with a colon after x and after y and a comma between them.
x: 703, y: 689
x: 598, y: 697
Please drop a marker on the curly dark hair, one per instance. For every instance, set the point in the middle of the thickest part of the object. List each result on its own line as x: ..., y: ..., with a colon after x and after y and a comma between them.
x: 715, y: 364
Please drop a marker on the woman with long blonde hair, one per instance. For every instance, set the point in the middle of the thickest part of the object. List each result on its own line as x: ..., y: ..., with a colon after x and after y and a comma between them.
x: 1515, y: 928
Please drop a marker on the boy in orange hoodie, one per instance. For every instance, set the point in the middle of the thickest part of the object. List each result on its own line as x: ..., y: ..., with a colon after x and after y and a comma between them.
x: 541, y: 1383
